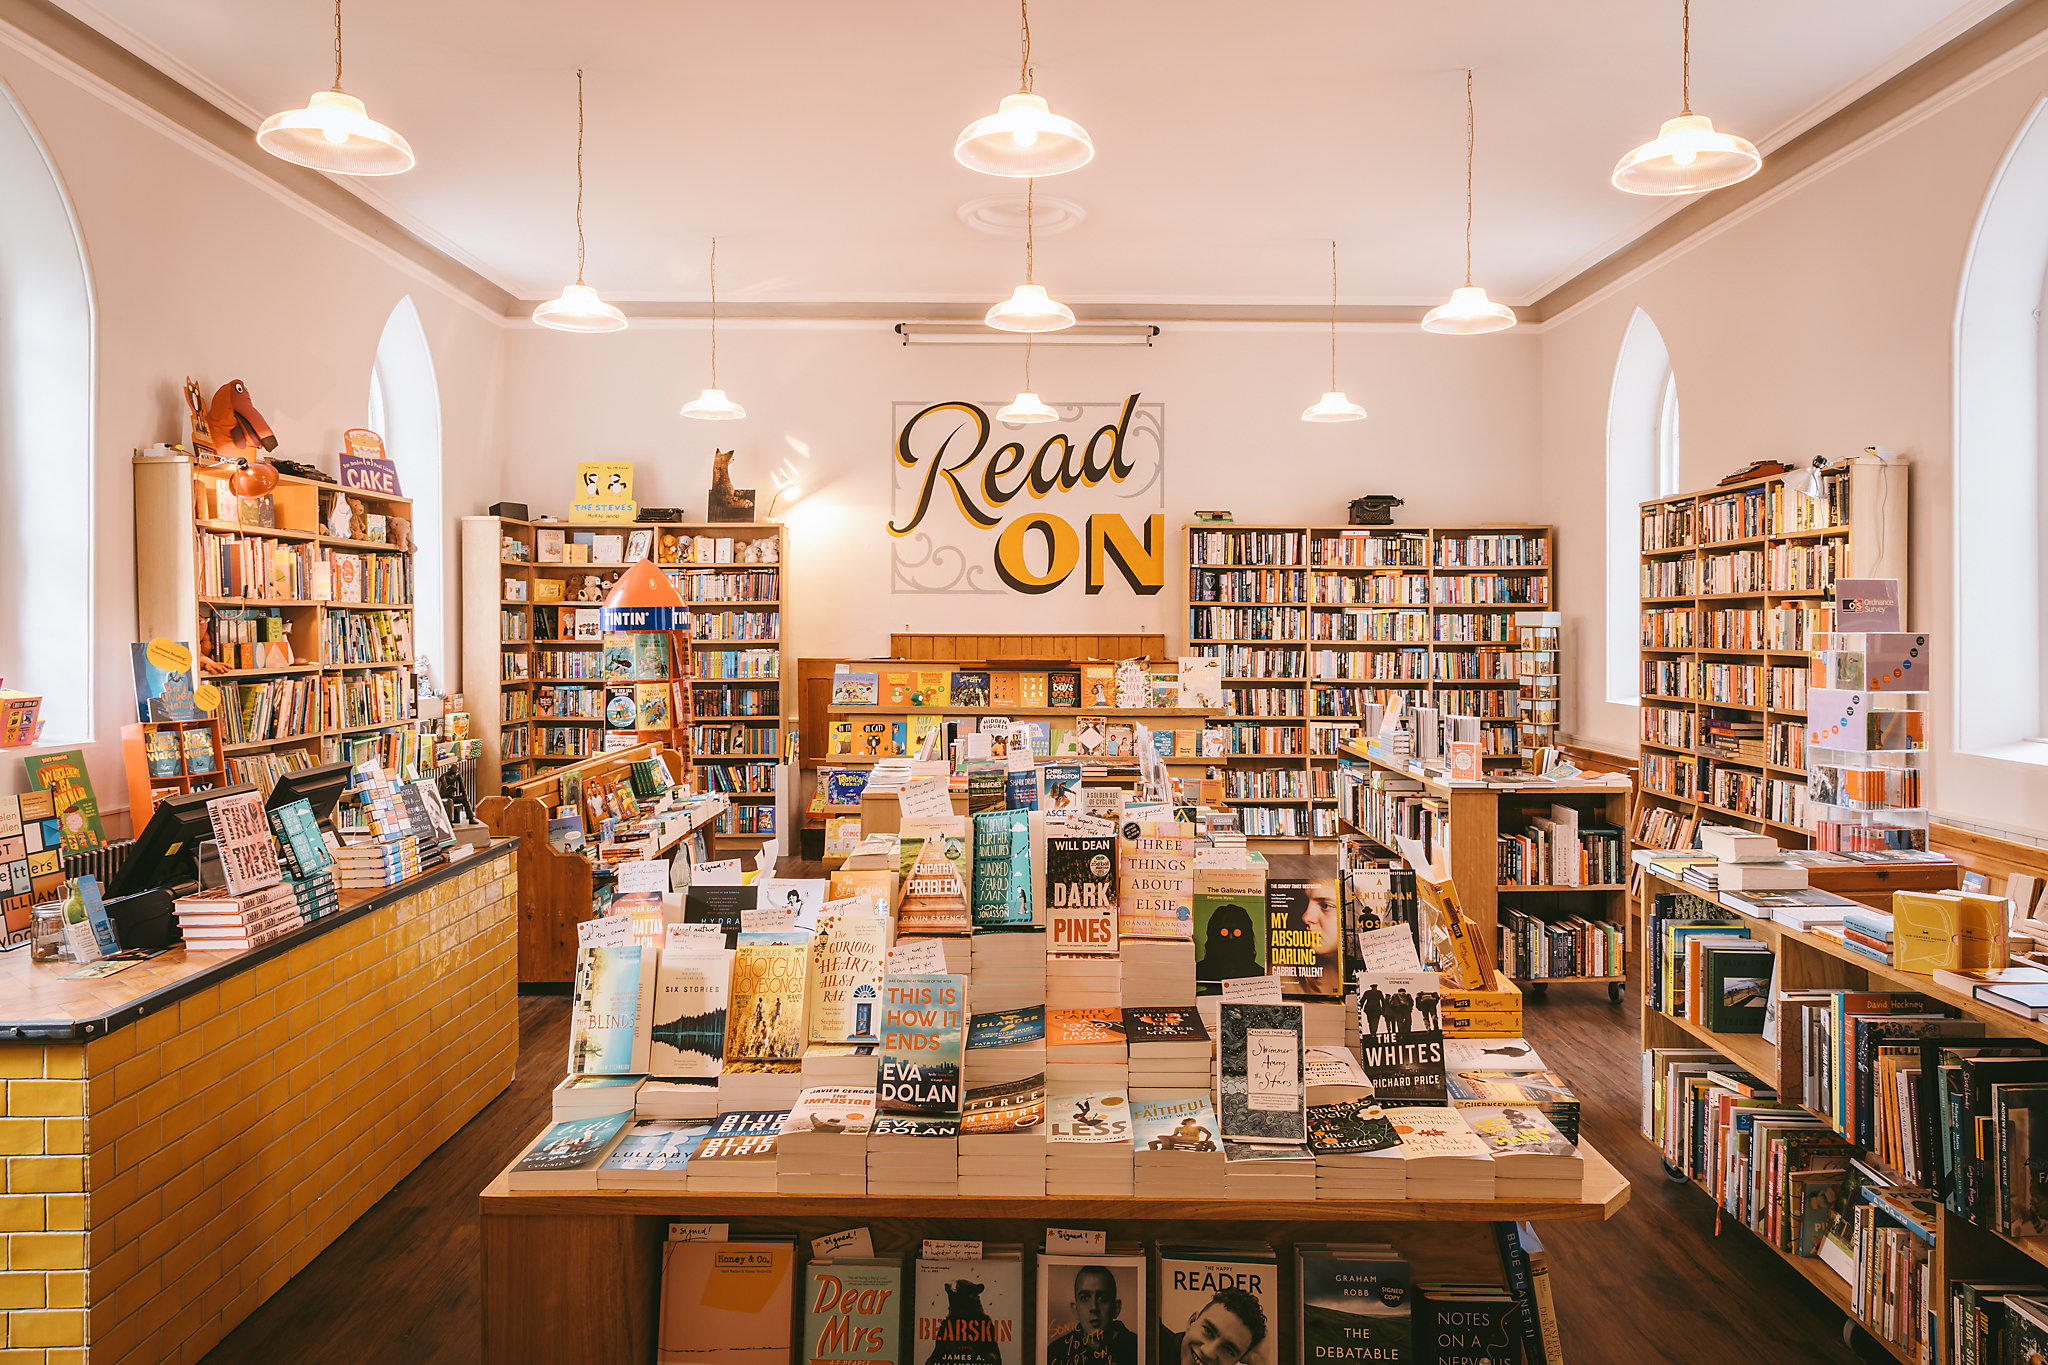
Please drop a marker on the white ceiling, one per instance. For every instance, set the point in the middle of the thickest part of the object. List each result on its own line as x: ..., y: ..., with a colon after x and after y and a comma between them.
x: 1232, y: 140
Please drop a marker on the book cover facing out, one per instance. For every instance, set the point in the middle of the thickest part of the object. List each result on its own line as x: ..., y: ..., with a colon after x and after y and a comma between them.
x: 1229, y: 925
x: 692, y: 991
x: 969, y: 1313
x: 604, y: 1022
x: 853, y: 1311
x: 1260, y: 1092
x: 1353, y: 1310
x: 1401, y: 1036
x: 1080, y: 894
x: 1305, y: 937
x: 1217, y: 1305
x: 765, y: 1021
x: 727, y: 1302
x: 573, y: 1144
x: 1087, y: 1306
x: 847, y: 955
x: 923, y: 1018
x: 1002, y: 868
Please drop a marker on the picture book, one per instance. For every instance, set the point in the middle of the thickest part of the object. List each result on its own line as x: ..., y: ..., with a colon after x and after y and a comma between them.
x: 895, y: 686
x: 1032, y: 692
x: 765, y: 1022
x: 1098, y: 686
x: 855, y: 689
x: 1063, y: 687
x: 618, y: 660
x: 1090, y: 1119
x: 853, y: 1311
x: 1261, y: 1096
x: 161, y: 752
x: 547, y: 546
x: 1348, y: 1127
x: 1352, y: 1306
x: 650, y: 654
x: 1080, y: 894
x: 1177, y: 1125
x: 163, y: 680
x: 923, y: 1025
x: 692, y: 991
x: 969, y: 1312
x: 1003, y: 689
x: 614, y: 1001
x: 621, y: 707
x: 1400, y: 1036
x: 1092, y: 1310
x: 729, y: 1302
x: 969, y: 687
x: 1305, y: 937
x: 1229, y: 921
x: 64, y: 777
x: 1200, y: 680
x: 1002, y: 868
x: 200, y: 758
x: 1218, y: 1304
x: 878, y: 738
x: 933, y: 685
x: 1156, y: 881
x: 847, y: 954
x: 568, y: 1154
x: 656, y: 705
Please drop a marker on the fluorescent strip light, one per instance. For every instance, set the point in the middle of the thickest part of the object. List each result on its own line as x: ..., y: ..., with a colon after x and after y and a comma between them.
x: 979, y: 334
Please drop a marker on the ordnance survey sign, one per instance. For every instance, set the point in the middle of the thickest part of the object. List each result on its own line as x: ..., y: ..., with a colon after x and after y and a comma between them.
x: 980, y: 507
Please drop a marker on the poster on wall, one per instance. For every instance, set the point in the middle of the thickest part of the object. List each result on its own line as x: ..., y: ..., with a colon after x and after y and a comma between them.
x: 604, y: 491
x: 981, y: 507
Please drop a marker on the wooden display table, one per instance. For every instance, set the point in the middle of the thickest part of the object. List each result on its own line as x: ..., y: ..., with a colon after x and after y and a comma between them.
x: 184, y: 1136
x: 577, y: 1275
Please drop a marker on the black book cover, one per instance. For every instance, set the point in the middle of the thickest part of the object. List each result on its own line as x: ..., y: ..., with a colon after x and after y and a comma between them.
x: 719, y: 905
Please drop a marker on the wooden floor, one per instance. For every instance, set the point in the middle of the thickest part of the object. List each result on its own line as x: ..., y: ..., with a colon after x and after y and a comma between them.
x: 1654, y: 1284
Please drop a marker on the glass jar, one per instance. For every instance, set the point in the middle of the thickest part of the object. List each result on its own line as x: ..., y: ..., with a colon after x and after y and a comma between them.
x: 46, y: 933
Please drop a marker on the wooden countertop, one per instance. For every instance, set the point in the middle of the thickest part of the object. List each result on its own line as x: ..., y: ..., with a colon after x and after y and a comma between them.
x: 42, y: 1006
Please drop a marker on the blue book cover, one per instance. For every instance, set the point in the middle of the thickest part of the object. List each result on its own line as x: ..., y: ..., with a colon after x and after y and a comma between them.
x: 1007, y: 1028
x: 614, y: 996
x: 96, y: 915
x: 1002, y: 868
x: 1040, y: 734
x: 843, y: 786
x: 1023, y: 789
x: 656, y: 1146
x: 923, y: 1022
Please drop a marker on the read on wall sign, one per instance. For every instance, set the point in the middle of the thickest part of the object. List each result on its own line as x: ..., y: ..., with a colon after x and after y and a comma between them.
x: 978, y: 507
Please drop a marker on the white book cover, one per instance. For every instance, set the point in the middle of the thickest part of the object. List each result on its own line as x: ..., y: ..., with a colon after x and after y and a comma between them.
x: 835, y: 1110
x: 1092, y: 1120
x: 692, y: 990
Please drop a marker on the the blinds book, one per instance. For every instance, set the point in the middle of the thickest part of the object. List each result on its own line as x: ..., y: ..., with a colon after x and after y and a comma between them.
x: 608, y: 1020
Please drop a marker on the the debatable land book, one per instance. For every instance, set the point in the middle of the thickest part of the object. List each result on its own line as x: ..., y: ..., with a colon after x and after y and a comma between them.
x: 1080, y: 894
x: 1229, y: 925
x: 847, y: 955
x: 1305, y: 937
x: 1352, y: 1309
x: 1400, y: 1036
x: 923, y: 1022
x: 1261, y: 1093
x: 853, y: 1311
x: 727, y: 1303
x: 692, y: 992
x: 1217, y: 1304
x: 1156, y: 886
x: 765, y: 1020
x: 970, y: 1312
x: 613, y: 1005
x: 1092, y: 1310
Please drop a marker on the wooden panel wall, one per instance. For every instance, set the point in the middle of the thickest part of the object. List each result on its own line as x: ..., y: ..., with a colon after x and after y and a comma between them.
x: 1007, y: 649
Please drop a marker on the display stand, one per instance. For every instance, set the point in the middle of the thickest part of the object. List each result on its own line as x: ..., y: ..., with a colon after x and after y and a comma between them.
x: 146, y: 788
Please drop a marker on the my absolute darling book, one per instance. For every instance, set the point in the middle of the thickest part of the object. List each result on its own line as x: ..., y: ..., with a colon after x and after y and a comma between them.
x: 1400, y: 1036
x: 1305, y: 937
x: 1261, y: 1096
x: 923, y: 1023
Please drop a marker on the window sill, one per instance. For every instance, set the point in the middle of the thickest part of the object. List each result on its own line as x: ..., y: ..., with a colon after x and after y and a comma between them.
x: 2031, y: 752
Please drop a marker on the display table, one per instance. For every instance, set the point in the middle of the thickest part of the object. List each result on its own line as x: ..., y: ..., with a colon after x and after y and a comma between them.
x: 183, y: 1137
x: 576, y: 1275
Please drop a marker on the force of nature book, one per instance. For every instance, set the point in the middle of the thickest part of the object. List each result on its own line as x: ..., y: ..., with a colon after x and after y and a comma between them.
x: 608, y: 1024
x: 847, y: 954
x: 1401, y: 1036
x: 765, y: 1021
x: 568, y: 1154
x: 1260, y: 1092
x: 970, y: 1312
x: 727, y: 1303
x: 692, y: 990
x: 1087, y: 1308
x: 853, y: 1309
x: 1156, y: 888
x: 1352, y: 1304
x: 1229, y: 925
x: 1080, y: 894
x: 1004, y: 1106
x: 1305, y: 937
x: 923, y: 1019
x: 1002, y: 868
x: 1217, y: 1303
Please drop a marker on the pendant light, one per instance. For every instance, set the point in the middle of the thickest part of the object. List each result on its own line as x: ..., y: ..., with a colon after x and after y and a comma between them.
x: 1468, y: 311
x: 334, y: 132
x: 712, y: 405
x: 579, y: 309
x: 1333, y: 406
x: 1025, y: 407
x: 1023, y: 137
x: 1029, y: 309
x: 1687, y: 156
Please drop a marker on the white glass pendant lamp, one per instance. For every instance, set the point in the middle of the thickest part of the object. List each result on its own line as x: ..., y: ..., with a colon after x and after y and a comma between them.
x: 712, y: 405
x: 1468, y: 312
x: 1029, y: 308
x: 334, y: 132
x: 579, y: 309
x: 1023, y: 138
x: 1025, y: 408
x: 1688, y: 155
x: 1333, y: 406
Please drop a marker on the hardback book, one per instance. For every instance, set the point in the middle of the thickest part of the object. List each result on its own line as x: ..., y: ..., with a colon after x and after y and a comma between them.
x: 1218, y: 1304
x: 692, y: 991
x: 895, y: 686
x: 2020, y: 1121
x: 765, y: 1021
x: 547, y: 546
x: 567, y: 1156
x: 1002, y: 868
x: 855, y: 689
x: 1305, y: 937
x: 1229, y: 925
x: 583, y: 1097
x: 1033, y: 692
x: 731, y: 1303
x: 1401, y: 1037
x: 1080, y: 894
x: 652, y: 1153
x: 923, y: 1026
x: 970, y: 687
x: 1092, y: 1310
x: 160, y: 749
x: 720, y: 905
x: 1491, y: 1054
x: 609, y: 1020
x: 1261, y: 1094
x: 1063, y: 687
x: 1176, y: 1125
x: 621, y: 707
x: 1350, y: 1127
x: 617, y: 659
x: 1156, y: 880
x: 853, y: 1311
x: 847, y: 955
x: 970, y: 1312
x: 1353, y: 1305
x: 935, y: 685
x: 1475, y: 1324
x: 1002, y: 688
x: 650, y: 655
x: 1091, y: 1120
x: 1098, y: 686
x: 1525, y: 1145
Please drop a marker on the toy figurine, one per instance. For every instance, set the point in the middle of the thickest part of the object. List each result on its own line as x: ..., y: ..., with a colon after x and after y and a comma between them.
x: 339, y: 518
x: 727, y: 503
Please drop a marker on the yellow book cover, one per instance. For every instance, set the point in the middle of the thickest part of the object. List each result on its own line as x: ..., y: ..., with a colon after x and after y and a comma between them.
x: 897, y: 685
x: 1003, y: 689
x: 878, y: 882
x: 1098, y: 685
x: 936, y: 685
x: 842, y: 736
x: 1950, y: 930
x: 1032, y: 690
x: 547, y: 589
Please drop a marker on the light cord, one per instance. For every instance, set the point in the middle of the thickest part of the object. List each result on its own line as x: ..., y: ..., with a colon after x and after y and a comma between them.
x: 337, y: 44
x: 1685, y: 89
x: 1030, y: 188
x: 1333, y: 315
x: 1024, y: 69
x: 579, y: 175
x: 714, y: 312
x: 1470, y: 126
x: 1027, y: 362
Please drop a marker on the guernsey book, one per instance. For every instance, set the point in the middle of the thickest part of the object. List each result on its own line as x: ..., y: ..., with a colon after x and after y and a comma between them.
x: 614, y: 1001
x: 923, y: 1022
x: 727, y: 1303
x: 1401, y: 1037
x: 853, y: 1310
x: 1261, y: 1095
x: 692, y: 992
x: 567, y: 1156
x: 765, y: 1021
x: 1217, y: 1305
x: 847, y: 955
x: 1080, y: 894
x: 970, y: 1312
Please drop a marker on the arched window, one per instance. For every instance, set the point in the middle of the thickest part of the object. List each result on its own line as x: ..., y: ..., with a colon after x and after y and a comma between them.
x: 46, y: 441
x: 405, y: 409
x: 1999, y: 444
x: 1642, y: 463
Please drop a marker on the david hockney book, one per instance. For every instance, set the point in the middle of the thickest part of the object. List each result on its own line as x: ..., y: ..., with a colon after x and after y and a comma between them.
x: 1305, y: 937
x: 853, y: 1311
x: 727, y: 1303
x: 1217, y: 1305
x: 567, y: 1155
x: 1080, y: 894
x: 923, y: 1020
x: 614, y: 1002
x: 847, y: 955
x: 1260, y: 1092
x: 1002, y: 868
x: 1352, y: 1304
x: 1229, y: 925
x: 652, y: 1152
x: 765, y: 1021
x: 1179, y: 1125
x: 1401, y: 1036
x: 970, y: 1312
x: 1156, y: 883
x: 692, y: 992
x: 1349, y: 1127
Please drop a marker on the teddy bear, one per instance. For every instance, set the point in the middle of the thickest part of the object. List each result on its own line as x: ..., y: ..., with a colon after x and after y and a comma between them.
x: 592, y: 589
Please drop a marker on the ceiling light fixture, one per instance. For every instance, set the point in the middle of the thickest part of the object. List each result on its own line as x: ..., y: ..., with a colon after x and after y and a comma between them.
x: 1023, y: 137
x: 1687, y: 156
x: 1333, y: 406
x: 1468, y: 312
x: 1030, y: 308
x: 1025, y: 407
x: 712, y: 405
x: 579, y: 309
x: 334, y: 132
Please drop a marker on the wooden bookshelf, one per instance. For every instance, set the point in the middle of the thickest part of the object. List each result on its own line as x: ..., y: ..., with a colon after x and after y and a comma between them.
x: 510, y: 657
x: 359, y: 699
x: 1311, y: 622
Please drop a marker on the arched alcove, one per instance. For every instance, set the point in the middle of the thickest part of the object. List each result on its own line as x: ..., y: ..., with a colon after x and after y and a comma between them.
x: 405, y: 409
x: 1642, y: 463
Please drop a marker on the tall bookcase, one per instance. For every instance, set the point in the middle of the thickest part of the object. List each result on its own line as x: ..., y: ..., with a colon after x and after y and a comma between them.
x: 1313, y: 622
x: 516, y: 662
x: 1735, y: 582
x: 323, y: 677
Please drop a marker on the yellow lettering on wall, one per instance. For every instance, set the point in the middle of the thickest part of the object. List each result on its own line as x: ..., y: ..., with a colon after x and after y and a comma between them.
x: 1063, y: 551
x: 1142, y: 563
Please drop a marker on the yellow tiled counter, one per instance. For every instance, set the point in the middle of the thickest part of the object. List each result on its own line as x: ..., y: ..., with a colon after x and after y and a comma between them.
x: 186, y: 1151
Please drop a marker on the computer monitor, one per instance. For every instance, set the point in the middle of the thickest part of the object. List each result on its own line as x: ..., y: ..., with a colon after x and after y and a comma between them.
x: 165, y: 853
x: 321, y: 788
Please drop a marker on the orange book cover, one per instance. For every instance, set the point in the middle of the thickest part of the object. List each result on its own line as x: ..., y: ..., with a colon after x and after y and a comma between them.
x: 936, y: 684
x: 727, y: 1301
x: 1079, y: 1028
x: 897, y: 685
x: 1003, y: 689
x: 1098, y: 685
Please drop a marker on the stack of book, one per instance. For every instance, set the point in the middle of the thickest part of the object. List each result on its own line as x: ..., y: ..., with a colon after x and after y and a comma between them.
x: 1158, y: 971
x: 588, y: 1097
x: 822, y: 1146
x: 1543, y: 1092
x: 1323, y: 1023
x: 1004, y: 1162
x: 653, y: 1154
x: 1256, y: 1171
x: 1007, y: 969
x: 738, y: 1155
x: 1177, y: 1154
x: 1076, y: 982
x: 370, y: 863
x: 1531, y: 1158
x: 1442, y: 1156
x: 1868, y: 932
x: 567, y: 1155
x: 1088, y: 1144
x: 839, y: 1064
x: 1086, y: 1052
x: 220, y: 922
x: 913, y: 1156
x: 750, y: 1086
x: 666, y: 1097
x: 1170, y: 1051
x: 1005, y: 1047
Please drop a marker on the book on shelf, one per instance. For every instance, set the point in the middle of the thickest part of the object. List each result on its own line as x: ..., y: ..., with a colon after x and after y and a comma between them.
x: 1353, y: 1303
x: 853, y: 1310
x: 1216, y: 1303
x: 1086, y: 1306
x: 730, y: 1302
x: 970, y: 1312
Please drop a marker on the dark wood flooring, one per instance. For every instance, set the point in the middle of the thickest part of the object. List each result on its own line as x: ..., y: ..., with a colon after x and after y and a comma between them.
x: 1657, y: 1283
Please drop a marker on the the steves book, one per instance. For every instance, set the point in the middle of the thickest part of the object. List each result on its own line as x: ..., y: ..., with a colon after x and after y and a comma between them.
x: 1156, y: 886
x: 923, y: 1019
x: 1080, y: 894
x: 719, y: 905
x: 1401, y: 1037
x: 727, y: 1303
x: 765, y: 1020
x: 692, y: 991
x: 1352, y: 1306
x: 969, y: 1312
x: 1217, y: 1304
x: 1002, y: 868
x: 1305, y: 937
x: 1261, y: 1095
x: 1229, y: 925
x: 608, y: 1023
x: 847, y: 955
x: 853, y: 1311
